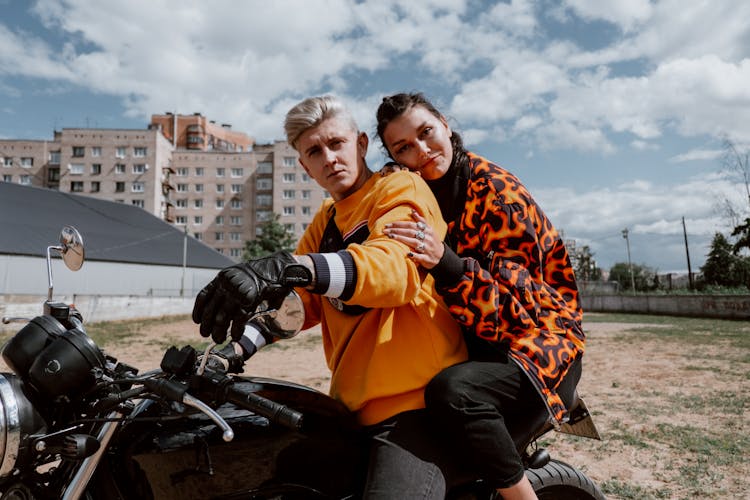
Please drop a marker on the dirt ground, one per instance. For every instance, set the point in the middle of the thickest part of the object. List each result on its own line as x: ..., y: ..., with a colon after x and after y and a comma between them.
x: 627, y: 391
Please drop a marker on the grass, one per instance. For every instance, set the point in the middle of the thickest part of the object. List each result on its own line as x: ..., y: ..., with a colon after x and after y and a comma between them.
x: 114, y: 332
x: 695, y: 436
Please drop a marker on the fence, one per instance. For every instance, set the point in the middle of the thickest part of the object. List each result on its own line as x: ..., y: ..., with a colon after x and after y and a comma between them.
x: 702, y: 306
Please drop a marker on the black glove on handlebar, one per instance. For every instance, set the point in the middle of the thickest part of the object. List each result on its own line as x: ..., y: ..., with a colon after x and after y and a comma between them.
x: 237, y: 291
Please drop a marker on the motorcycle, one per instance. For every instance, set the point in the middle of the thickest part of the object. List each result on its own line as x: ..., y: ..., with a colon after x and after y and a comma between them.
x: 76, y: 423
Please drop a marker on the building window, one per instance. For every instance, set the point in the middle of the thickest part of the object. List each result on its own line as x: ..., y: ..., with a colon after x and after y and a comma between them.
x: 199, y: 188
x: 96, y: 169
x: 265, y: 167
x: 305, y: 177
x: 220, y: 188
x: 182, y: 188
x: 219, y: 236
x: 197, y: 220
x: 236, y: 188
x: 199, y: 171
x: 76, y: 168
x: 8, y: 161
x: 305, y: 194
x: 198, y: 236
x: 7, y: 178
x: 235, y: 236
x: 78, y: 151
x: 53, y: 174
x: 219, y: 220
x: 235, y: 220
x: 139, y: 168
x: 119, y: 187
x: 236, y: 204
x: 54, y: 157
x: 76, y: 187
x: 180, y: 220
x: 306, y: 211
x: 220, y: 172
x: 95, y: 185
x: 288, y: 178
x: 262, y: 215
x: 288, y: 210
x: 140, y: 152
x: 236, y: 172
x: 119, y: 168
x: 26, y: 180
x: 264, y: 200
x: 27, y: 162
x: 182, y: 172
x: 219, y: 203
x: 288, y: 194
x: 137, y: 187
x: 198, y: 203
x: 138, y: 203
x: 120, y: 152
x: 289, y: 227
x: 96, y: 151
x: 290, y: 161
x: 235, y: 252
x: 264, y: 184
x: 181, y: 203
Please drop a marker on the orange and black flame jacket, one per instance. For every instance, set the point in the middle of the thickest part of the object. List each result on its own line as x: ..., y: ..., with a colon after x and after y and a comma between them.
x: 507, y: 278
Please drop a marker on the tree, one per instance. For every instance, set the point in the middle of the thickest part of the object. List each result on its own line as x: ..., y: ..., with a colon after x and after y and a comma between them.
x: 644, y: 277
x: 742, y: 232
x: 717, y: 269
x: 584, y: 264
x: 274, y: 237
x: 736, y: 162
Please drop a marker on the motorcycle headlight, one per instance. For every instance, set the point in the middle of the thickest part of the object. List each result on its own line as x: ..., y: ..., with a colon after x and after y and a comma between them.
x: 18, y: 420
x: 23, y: 348
x: 66, y: 366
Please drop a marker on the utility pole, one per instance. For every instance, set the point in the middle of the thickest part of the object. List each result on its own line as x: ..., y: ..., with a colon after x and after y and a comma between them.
x: 630, y: 263
x: 687, y: 252
x: 184, y: 262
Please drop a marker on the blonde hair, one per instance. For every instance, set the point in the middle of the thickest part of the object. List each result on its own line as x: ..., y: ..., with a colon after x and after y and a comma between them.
x: 312, y: 112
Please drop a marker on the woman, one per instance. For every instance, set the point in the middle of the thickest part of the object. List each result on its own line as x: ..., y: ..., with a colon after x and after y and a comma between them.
x: 507, y: 279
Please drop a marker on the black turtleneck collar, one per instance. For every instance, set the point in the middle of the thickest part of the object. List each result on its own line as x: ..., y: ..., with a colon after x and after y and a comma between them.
x: 450, y: 189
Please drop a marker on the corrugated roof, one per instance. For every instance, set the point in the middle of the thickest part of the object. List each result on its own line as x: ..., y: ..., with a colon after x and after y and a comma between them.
x: 31, y: 219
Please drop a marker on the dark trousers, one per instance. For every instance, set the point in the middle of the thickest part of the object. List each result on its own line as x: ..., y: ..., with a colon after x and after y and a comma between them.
x: 477, y: 404
x: 406, y: 461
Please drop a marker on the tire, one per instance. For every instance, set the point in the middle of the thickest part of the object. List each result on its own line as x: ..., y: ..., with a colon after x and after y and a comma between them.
x: 559, y: 481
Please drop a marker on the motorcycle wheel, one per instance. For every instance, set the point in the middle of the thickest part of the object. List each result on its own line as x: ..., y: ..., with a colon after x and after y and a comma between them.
x: 559, y: 481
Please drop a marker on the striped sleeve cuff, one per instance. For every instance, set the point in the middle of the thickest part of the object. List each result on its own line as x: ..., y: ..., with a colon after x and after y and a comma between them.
x: 335, y: 274
x: 252, y: 340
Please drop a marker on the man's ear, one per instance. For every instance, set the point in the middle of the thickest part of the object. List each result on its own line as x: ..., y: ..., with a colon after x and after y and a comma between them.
x: 362, y: 142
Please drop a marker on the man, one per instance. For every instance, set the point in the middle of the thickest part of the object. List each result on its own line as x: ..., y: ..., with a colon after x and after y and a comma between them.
x: 385, y: 331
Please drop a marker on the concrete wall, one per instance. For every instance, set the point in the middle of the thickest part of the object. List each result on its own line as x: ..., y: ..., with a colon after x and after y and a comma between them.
x: 702, y: 306
x: 95, y: 307
x: 28, y: 275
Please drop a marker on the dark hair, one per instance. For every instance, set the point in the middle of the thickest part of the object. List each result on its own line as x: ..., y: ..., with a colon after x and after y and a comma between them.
x: 397, y: 104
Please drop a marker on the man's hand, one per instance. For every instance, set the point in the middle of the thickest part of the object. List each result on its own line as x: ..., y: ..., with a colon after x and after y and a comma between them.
x: 235, y: 293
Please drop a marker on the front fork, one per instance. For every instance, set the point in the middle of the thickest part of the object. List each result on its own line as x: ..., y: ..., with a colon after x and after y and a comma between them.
x: 80, y: 481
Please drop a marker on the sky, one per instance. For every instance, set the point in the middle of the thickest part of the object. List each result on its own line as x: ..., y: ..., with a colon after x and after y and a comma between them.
x: 613, y: 114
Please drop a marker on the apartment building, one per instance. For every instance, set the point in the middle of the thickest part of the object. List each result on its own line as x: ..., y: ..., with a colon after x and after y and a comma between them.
x: 213, y: 182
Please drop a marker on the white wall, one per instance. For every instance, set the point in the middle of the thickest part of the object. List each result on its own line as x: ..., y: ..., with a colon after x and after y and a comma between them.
x: 28, y: 275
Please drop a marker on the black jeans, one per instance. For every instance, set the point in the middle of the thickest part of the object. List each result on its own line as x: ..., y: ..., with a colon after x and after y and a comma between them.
x: 406, y: 461
x: 475, y: 403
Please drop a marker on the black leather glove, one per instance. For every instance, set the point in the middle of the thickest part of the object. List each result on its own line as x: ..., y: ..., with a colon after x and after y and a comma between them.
x: 229, y: 361
x: 237, y: 291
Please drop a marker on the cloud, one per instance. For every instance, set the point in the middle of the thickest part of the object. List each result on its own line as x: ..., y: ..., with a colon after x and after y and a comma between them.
x: 697, y: 154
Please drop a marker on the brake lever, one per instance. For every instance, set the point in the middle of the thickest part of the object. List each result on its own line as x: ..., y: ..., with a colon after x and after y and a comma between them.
x: 227, y: 432
x: 204, y: 360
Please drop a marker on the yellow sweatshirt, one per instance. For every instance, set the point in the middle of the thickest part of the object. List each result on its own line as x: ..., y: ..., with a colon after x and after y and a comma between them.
x: 381, y: 359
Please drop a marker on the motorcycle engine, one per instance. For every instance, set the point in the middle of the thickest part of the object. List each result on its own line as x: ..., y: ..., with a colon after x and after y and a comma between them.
x: 18, y: 420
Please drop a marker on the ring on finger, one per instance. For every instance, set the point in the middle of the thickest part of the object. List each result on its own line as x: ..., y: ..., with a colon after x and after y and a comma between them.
x: 421, y: 226
x: 420, y: 247
x: 419, y: 235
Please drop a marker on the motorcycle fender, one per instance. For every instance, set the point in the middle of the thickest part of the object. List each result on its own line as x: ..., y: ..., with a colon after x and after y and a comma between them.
x: 580, y: 423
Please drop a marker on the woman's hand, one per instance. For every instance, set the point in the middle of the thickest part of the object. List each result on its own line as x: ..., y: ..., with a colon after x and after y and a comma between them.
x: 426, y: 249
